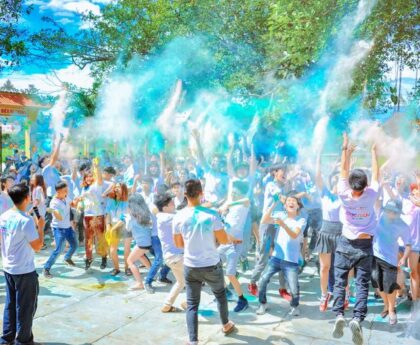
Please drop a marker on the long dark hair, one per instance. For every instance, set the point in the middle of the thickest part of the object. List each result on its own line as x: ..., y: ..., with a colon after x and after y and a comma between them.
x: 138, y: 209
x: 39, y: 182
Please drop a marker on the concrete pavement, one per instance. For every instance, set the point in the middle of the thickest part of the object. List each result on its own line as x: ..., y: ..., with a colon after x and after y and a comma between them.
x: 78, y: 307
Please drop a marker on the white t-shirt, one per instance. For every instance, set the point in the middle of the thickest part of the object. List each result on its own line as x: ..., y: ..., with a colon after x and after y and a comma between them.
x: 63, y: 207
x: 357, y: 214
x: 93, y: 201
x: 330, y: 206
x: 17, y: 230
x: 6, y: 202
x: 51, y: 178
x: 164, y: 226
x: 216, y: 186
x: 285, y: 247
x: 271, y: 189
x: 38, y: 194
x: 197, y: 226
x: 236, y: 219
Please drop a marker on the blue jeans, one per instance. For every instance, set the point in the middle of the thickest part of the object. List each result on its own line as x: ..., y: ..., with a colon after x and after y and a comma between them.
x: 60, y: 237
x: 19, y: 309
x: 157, y: 263
x: 266, y: 243
x: 357, y: 254
x: 194, y: 278
x: 290, y: 271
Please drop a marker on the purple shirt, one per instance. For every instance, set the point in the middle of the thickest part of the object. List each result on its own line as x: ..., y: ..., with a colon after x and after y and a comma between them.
x: 357, y: 214
x: 385, y: 242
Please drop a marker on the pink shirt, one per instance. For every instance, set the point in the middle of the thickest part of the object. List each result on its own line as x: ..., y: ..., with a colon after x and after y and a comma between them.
x: 357, y: 214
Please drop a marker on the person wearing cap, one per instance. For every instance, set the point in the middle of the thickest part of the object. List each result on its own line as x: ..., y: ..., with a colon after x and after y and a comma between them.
x: 354, y: 248
x: 390, y: 228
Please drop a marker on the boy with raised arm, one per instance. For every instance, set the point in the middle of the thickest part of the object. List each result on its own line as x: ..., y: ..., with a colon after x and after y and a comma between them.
x: 354, y: 248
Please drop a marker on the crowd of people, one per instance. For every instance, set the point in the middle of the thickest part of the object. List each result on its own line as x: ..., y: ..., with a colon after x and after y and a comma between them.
x: 200, y: 219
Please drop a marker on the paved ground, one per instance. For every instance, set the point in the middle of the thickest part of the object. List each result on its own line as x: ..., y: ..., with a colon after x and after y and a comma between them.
x: 76, y: 307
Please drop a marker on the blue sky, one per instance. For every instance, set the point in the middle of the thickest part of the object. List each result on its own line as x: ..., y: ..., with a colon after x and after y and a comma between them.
x: 67, y: 13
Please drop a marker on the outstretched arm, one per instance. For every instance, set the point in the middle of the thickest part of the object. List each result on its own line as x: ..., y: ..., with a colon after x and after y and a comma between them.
x: 346, y: 152
x: 56, y: 152
x: 229, y: 164
x: 97, y: 171
x: 252, y: 162
x: 202, y: 161
x: 318, y: 176
x: 375, y: 165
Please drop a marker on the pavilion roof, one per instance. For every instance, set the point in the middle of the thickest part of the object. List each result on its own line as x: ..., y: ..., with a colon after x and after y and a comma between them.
x: 15, y: 99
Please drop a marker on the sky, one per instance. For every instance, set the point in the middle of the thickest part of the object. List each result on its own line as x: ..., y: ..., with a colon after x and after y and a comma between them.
x: 67, y: 13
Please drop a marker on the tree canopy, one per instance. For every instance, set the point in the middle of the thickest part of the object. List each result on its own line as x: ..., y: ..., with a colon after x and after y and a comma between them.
x: 249, y: 39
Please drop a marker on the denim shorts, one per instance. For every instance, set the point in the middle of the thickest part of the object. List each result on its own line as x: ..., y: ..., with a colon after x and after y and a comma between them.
x: 230, y: 253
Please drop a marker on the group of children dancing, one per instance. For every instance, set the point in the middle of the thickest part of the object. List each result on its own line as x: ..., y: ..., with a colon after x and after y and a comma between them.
x: 199, y: 220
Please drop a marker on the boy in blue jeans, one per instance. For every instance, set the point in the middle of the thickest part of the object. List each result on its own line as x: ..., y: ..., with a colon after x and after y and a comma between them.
x: 60, y: 209
x: 19, y: 240
x: 286, y: 252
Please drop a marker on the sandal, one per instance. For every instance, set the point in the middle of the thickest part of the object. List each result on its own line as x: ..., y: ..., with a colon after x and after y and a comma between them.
x: 115, y: 272
x: 384, y: 314
x: 128, y: 272
x: 168, y: 309
x: 230, y: 329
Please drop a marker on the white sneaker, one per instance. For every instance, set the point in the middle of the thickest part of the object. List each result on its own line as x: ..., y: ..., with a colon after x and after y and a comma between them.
x: 294, y: 311
x: 261, y: 309
x: 356, y: 330
x: 338, y: 331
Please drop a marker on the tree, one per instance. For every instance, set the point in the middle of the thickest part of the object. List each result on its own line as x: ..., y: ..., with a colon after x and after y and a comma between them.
x: 8, y: 86
x: 12, y: 38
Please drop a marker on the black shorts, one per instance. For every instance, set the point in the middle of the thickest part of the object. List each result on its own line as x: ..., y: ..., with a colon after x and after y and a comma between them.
x: 384, y: 276
x: 145, y: 248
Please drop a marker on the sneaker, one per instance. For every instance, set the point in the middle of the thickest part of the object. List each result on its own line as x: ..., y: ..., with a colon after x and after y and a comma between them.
x: 294, y: 311
x: 253, y: 289
x: 241, y: 305
x: 323, y: 304
x: 88, y: 263
x: 103, y: 264
x: 165, y: 281
x: 47, y: 274
x: 356, y: 330
x: 285, y: 295
x: 70, y: 262
x: 262, y: 308
x: 149, y: 288
x: 339, y: 324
